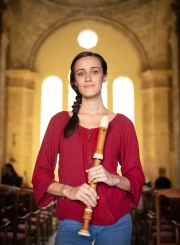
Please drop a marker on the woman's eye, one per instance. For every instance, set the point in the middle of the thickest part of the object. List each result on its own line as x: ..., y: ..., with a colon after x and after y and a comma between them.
x: 80, y: 73
x: 95, y: 71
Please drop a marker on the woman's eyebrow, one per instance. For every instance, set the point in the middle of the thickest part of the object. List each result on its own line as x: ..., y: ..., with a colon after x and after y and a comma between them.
x: 80, y: 69
x: 90, y: 67
x: 95, y: 67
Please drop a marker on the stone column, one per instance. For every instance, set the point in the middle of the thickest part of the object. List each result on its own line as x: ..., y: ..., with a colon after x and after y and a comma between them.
x: 175, y: 46
x: 155, y: 94
x: 20, y: 91
x: 3, y: 47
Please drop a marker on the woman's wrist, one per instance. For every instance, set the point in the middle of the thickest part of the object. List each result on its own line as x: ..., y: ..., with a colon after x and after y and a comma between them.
x: 116, y: 180
x: 61, y: 190
x: 122, y: 183
x: 64, y: 190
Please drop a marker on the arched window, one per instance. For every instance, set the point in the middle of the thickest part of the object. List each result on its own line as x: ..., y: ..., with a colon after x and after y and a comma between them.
x: 51, y: 101
x: 123, y: 97
x: 71, y: 97
x: 104, y: 93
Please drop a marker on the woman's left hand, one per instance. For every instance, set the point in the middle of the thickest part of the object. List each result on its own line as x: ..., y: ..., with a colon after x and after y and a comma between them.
x: 100, y: 174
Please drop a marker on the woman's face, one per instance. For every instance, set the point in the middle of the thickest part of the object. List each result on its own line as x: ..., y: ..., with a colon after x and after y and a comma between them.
x: 89, y: 76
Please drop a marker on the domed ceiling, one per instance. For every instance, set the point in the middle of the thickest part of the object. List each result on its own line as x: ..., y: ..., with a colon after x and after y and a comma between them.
x: 91, y: 3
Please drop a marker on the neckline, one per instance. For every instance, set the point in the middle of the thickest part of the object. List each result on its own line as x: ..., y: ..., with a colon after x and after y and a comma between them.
x: 96, y: 127
x: 87, y: 128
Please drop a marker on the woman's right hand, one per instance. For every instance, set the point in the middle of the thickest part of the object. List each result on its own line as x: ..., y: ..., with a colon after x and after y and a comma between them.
x: 84, y: 193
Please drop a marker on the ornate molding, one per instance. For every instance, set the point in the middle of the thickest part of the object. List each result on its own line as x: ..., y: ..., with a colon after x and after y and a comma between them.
x: 21, y: 78
x: 21, y: 73
x: 91, y: 4
x: 20, y: 84
x: 156, y: 78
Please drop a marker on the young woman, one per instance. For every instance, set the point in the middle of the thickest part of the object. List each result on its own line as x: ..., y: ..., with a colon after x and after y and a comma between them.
x: 73, y: 135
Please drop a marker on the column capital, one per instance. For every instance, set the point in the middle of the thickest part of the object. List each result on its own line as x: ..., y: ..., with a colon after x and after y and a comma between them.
x: 155, y: 78
x: 21, y: 78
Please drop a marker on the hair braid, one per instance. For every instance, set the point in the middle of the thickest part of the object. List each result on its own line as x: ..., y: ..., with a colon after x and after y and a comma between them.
x: 73, y: 122
x: 77, y: 104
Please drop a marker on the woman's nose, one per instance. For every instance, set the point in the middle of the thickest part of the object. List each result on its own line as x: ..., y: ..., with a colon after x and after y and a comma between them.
x: 88, y: 77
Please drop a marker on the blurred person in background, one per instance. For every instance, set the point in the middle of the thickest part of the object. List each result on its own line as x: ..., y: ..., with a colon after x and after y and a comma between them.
x: 10, y: 176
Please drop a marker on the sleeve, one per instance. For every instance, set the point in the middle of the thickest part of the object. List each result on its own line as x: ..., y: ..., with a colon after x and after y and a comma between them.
x: 130, y: 162
x: 43, y: 175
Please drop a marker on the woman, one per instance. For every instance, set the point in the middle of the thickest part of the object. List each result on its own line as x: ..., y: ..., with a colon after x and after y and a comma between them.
x: 10, y: 177
x: 73, y: 136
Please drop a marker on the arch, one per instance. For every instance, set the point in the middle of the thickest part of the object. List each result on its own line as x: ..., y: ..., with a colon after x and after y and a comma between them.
x: 119, y: 26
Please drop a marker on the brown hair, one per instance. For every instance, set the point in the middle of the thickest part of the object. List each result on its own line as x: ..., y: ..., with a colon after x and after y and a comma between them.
x: 73, y: 122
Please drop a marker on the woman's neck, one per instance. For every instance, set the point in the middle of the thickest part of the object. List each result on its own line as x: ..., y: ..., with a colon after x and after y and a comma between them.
x: 92, y: 107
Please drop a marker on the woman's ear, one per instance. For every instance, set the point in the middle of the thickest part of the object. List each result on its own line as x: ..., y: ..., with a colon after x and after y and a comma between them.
x: 105, y: 78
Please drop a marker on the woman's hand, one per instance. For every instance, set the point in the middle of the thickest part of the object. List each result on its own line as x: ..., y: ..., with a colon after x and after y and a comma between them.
x: 100, y: 174
x: 84, y: 193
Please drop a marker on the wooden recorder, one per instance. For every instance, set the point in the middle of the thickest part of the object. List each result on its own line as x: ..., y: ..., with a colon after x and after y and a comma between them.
x: 97, y: 157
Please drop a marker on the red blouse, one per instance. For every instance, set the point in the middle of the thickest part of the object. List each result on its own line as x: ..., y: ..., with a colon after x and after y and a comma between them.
x: 76, y: 155
x: 89, y: 140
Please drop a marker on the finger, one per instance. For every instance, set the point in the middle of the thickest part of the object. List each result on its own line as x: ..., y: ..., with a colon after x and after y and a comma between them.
x: 98, y: 179
x: 88, y: 190
x: 87, y: 199
x: 93, y: 172
x: 96, y: 168
x: 93, y: 193
x: 84, y: 186
x: 94, y: 177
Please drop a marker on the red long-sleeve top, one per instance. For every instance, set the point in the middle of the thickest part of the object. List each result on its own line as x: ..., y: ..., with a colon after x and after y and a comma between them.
x: 75, y: 156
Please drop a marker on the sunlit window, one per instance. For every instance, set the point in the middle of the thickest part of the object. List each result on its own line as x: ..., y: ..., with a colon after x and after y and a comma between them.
x: 123, y: 97
x: 87, y: 39
x: 51, y: 101
x: 104, y: 93
x: 71, y: 97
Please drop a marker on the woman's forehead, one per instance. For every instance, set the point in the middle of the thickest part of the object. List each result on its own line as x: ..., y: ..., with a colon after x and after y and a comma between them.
x: 87, y: 62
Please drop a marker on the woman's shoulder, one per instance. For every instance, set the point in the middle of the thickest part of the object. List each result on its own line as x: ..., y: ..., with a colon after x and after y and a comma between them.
x: 63, y: 115
x: 121, y: 118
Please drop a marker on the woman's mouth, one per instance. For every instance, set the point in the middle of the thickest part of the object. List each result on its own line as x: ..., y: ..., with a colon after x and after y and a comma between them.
x: 88, y: 86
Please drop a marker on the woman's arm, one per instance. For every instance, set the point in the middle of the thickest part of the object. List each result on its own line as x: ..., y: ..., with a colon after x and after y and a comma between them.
x: 84, y: 192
